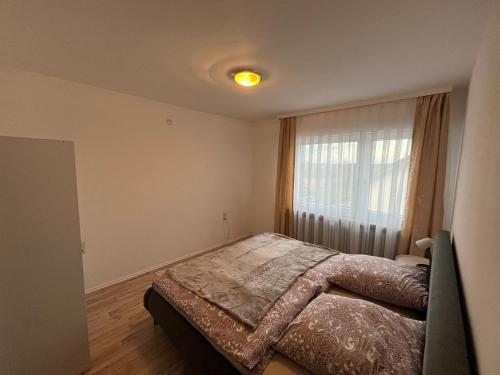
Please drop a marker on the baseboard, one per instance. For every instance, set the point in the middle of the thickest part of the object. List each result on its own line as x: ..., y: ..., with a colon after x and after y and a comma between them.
x: 165, y: 264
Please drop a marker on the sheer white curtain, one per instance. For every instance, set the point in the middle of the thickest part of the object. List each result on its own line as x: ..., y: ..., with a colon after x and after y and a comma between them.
x: 351, y: 175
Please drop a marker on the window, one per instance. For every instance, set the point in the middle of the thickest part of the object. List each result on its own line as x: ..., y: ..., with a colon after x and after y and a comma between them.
x: 390, y: 165
x: 324, y: 175
x: 353, y: 165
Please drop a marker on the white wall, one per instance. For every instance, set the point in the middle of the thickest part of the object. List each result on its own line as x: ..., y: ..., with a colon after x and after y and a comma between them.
x: 476, y: 223
x: 265, y: 162
x: 458, y: 104
x: 148, y: 192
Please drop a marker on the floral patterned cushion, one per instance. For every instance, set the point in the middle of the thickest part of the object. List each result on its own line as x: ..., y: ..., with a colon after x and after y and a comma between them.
x: 341, y: 335
x: 383, y: 280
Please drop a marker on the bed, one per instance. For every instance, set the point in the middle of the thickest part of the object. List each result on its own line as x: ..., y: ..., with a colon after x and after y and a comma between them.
x: 445, y: 350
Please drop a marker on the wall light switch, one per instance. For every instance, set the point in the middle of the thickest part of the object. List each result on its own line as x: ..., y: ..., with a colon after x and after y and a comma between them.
x: 224, y: 216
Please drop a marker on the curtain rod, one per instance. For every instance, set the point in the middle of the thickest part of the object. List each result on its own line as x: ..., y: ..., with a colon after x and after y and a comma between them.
x: 372, y: 101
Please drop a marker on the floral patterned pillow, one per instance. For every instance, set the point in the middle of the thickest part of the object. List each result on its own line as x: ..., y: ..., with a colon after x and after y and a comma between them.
x: 341, y: 335
x: 383, y: 280
x: 324, y: 271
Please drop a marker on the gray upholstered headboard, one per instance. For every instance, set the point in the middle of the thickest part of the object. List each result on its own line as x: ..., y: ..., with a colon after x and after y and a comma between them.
x: 445, y: 350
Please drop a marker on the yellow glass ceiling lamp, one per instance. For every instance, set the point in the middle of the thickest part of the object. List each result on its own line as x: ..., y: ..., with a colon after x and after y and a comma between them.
x: 247, y: 78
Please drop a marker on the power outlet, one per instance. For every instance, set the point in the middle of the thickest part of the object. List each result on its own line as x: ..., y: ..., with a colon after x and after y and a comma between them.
x: 224, y: 216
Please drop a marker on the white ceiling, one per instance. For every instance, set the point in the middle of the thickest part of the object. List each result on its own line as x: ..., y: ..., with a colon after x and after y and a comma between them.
x: 312, y: 53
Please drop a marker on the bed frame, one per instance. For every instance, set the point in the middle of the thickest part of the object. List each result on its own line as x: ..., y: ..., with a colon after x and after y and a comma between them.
x: 445, y: 350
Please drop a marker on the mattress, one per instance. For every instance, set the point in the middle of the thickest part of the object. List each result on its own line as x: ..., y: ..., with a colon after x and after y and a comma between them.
x: 249, y: 349
x: 444, y: 339
x: 277, y: 364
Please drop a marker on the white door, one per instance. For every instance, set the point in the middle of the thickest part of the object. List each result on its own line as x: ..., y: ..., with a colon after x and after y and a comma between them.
x: 43, y: 327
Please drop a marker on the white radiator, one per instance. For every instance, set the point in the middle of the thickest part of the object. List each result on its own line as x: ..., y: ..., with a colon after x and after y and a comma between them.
x: 346, y: 236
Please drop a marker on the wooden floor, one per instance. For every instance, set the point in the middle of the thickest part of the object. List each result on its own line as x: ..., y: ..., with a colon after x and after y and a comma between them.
x: 123, y: 338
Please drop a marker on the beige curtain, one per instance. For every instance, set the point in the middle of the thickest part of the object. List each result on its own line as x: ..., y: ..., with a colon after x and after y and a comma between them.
x: 283, y: 210
x: 424, y: 209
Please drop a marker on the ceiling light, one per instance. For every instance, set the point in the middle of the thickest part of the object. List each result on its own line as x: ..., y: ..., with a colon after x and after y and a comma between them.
x: 247, y: 78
